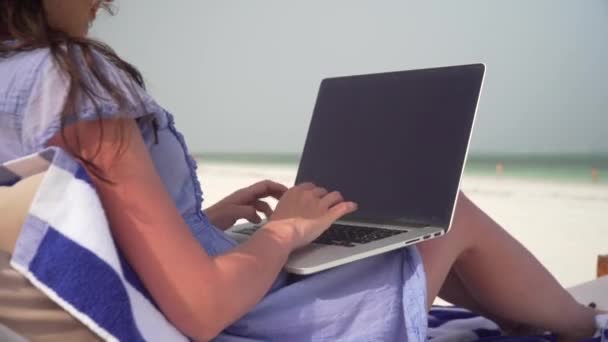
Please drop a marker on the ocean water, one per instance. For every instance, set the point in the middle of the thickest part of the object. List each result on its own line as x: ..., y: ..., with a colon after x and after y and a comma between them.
x: 567, y: 168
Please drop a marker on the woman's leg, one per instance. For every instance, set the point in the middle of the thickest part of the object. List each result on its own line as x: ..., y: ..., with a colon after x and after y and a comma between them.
x: 454, y: 291
x: 502, y: 276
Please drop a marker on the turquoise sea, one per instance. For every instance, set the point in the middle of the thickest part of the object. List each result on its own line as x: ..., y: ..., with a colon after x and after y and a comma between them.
x: 557, y: 168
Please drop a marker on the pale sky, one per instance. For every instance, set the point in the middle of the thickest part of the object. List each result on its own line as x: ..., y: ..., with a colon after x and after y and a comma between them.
x: 242, y: 75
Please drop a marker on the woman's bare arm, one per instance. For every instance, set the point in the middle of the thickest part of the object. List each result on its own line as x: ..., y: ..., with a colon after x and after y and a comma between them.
x: 201, y: 295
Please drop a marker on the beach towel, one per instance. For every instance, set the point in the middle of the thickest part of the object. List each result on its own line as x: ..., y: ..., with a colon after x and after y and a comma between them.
x: 66, y: 250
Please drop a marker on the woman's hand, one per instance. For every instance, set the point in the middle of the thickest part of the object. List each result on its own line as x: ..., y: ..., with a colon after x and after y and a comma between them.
x: 245, y: 203
x: 305, y: 212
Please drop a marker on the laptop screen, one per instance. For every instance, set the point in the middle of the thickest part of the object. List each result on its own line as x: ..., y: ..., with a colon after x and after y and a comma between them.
x: 395, y: 143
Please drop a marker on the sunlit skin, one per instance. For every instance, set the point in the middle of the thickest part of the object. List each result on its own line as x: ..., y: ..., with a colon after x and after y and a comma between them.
x: 477, y: 265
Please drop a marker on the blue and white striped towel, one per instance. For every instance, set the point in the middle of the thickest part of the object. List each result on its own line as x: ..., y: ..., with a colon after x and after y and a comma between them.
x: 66, y: 250
x: 449, y: 324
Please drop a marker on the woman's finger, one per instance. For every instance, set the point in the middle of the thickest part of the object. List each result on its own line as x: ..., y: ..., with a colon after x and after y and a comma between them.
x: 338, y: 211
x: 331, y: 199
x: 306, y: 186
x: 266, y: 188
x: 273, y: 189
x: 319, y: 192
x: 263, y: 207
x: 249, y: 213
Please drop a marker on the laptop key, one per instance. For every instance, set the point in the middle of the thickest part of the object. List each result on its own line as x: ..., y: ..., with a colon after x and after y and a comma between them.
x: 348, y: 236
x: 248, y: 230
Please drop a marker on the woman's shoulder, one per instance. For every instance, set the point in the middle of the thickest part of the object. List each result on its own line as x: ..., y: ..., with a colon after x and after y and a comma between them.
x: 29, y: 60
x: 30, y: 72
x: 35, y: 86
x: 20, y: 72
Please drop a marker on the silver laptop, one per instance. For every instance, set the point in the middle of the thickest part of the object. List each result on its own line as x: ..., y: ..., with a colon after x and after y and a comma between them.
x: 395, y: 143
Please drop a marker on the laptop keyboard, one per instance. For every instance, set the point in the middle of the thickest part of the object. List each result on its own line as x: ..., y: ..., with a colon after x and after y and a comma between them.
x: 345, y: 236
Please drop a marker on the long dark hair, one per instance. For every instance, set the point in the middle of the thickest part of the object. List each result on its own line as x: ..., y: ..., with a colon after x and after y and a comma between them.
x: 25, y: 24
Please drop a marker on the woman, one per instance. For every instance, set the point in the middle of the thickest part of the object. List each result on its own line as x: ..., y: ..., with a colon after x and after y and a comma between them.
x: 60, y: 88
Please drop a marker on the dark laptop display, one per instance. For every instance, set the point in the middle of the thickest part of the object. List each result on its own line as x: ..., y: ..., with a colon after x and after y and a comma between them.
x: 423, y: 121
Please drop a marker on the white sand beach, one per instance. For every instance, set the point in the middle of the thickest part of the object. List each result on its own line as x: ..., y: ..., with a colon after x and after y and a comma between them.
x: 564, y: 224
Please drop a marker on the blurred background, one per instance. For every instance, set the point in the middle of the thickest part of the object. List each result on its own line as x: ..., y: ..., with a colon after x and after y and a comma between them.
x: 241, y: 78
